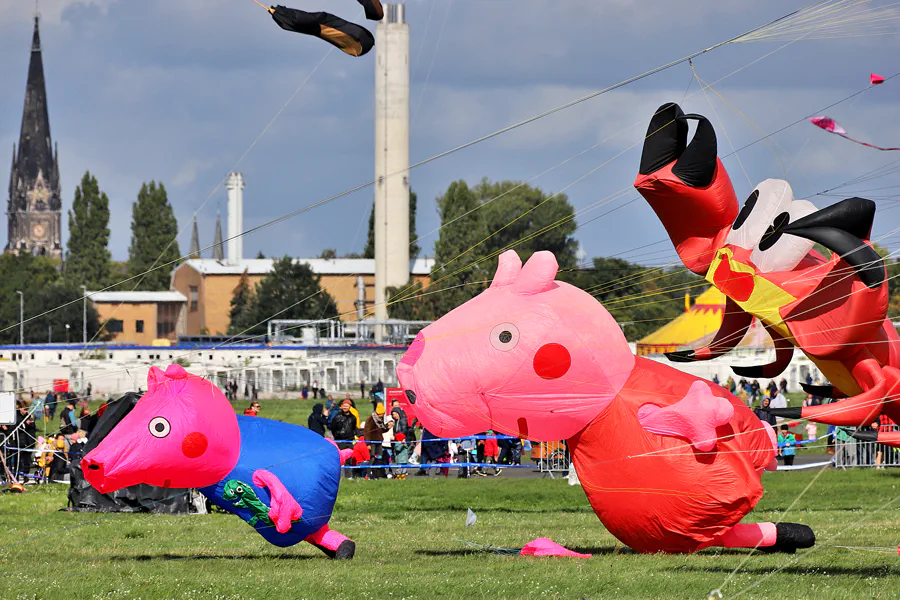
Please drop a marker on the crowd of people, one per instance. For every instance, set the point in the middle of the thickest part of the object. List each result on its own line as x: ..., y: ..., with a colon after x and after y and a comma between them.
x: 34, y: 448
x: 385, y: 438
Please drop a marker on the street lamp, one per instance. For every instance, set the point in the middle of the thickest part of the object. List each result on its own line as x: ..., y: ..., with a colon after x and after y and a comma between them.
x: 67, y: 333
x: 83, y: 317
x: 21, y: 318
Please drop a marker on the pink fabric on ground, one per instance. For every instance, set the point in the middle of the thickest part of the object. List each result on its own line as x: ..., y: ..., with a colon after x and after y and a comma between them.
x: 547, y: 547
x: 327, y: 538
x: 748, y: 535
x: 283, y: 508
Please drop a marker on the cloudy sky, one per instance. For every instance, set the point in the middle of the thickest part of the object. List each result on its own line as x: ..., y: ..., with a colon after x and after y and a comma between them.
x: 178, y: 90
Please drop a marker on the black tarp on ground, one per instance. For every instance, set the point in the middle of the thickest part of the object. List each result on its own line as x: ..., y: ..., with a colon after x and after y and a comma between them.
x: 139, y: 498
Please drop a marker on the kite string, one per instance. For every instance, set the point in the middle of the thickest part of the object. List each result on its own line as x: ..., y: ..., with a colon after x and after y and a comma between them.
x: 454, y: 150
x: 269, y: 9
x: 719, y: 119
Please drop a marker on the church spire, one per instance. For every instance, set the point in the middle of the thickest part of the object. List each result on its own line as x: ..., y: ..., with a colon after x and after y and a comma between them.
x: 35, y: 154
x: 218, y: 252
x: 195, y: 241
x: 35, y: 206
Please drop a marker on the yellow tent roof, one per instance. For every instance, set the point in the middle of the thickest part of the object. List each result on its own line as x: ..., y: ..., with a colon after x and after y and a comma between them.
x: 697, y: 326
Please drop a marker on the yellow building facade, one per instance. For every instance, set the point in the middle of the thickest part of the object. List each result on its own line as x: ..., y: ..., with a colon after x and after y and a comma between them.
x: 141, y: 317
x: 208, y: 286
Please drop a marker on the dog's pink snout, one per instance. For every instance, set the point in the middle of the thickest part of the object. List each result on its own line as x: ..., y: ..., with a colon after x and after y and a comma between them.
x: 415, y: 351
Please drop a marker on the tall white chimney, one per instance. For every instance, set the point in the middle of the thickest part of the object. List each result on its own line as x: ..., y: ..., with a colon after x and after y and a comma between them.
x: 235, y: 186
x: 391, y: 156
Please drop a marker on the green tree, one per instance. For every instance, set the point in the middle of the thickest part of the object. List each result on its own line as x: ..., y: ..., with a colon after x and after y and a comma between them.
x: 44, y: 292
x: 328, y: 253
x: 524, y: 218
x: 153, y: 237
x: 62, y: 301
x: 460, y: 268
x: 641, y: 299
x: 88, y: 256
x: 290, y: 291
x: 414, y: 248
x: 241, y: 302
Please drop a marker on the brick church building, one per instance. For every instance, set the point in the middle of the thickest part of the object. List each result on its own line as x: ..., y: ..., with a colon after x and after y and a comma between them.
x: 34, y: 210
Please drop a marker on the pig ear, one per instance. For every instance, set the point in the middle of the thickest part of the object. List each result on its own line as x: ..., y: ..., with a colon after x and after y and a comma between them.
x: 508, y: 269
x: 537, y: 275
x: 154, y: 378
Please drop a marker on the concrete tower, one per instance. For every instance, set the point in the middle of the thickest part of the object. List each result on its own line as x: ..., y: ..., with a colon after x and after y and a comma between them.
x: 391, y: 156
x: 235, y: 186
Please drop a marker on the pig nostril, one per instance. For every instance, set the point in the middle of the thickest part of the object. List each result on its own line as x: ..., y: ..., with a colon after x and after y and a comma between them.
x: 411, y: 396
x: 94, y: 467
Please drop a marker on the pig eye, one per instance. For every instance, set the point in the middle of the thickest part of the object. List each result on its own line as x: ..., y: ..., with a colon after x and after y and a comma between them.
x: 504, y: 337
x: 159, y: 427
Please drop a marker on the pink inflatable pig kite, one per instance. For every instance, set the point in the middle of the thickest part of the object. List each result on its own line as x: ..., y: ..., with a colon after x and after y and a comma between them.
x: 669, y: 462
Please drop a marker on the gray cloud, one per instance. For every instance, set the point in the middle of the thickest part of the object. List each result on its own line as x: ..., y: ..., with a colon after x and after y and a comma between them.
x: 177, y: 92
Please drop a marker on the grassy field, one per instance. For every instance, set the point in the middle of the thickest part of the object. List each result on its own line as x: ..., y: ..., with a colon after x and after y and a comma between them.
x: 407, y: 531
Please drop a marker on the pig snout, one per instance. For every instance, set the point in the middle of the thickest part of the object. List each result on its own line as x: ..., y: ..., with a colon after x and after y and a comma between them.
x: 89, y: 464
x: 95, y: 472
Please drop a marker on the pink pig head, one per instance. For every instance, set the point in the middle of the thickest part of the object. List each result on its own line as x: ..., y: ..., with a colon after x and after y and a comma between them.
x: 182, y: 433
x: 529, y: 356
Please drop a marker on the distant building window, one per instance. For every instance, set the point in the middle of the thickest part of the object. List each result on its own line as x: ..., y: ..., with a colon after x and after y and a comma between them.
x: 195, y: 293
x: 115, y: 326
x: 139, y: 326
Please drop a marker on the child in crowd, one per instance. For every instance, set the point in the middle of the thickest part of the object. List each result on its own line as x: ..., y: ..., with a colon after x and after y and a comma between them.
x: 401, y: 454
x: 790, y: 442
x: 491, y: 450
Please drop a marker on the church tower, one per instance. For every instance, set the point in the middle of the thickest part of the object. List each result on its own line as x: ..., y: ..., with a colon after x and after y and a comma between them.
x: 35, y: 207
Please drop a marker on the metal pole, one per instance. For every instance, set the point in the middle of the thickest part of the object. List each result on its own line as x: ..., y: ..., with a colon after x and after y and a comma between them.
x: 21, y: 318
x: 84, y: 317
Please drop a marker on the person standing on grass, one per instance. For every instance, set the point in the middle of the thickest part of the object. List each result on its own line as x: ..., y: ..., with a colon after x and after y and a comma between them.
x: 764, y: 413
x: 253, y: 411
x: 491, y: 451
x: 789, y: 440
x: 778, y: 400
x: 68, y: 420
x: 318, y: 420
x: 343, y: 426
x: 50, y: 405
x: 362, y: 389
x: 374, y: 434
x: 304, y: 391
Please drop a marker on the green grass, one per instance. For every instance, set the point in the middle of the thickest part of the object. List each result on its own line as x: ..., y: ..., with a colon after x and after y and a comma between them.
x: 405, y: 533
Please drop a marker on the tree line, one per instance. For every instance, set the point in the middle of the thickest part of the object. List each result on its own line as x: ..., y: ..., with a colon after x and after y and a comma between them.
x: 478, y: 223
x: 47, y: 285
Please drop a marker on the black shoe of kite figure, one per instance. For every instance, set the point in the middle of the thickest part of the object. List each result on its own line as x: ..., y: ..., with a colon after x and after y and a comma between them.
x: 373, y: 8
x: 346, y: 550
x: 791, y: 537
x: 348, y: 37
